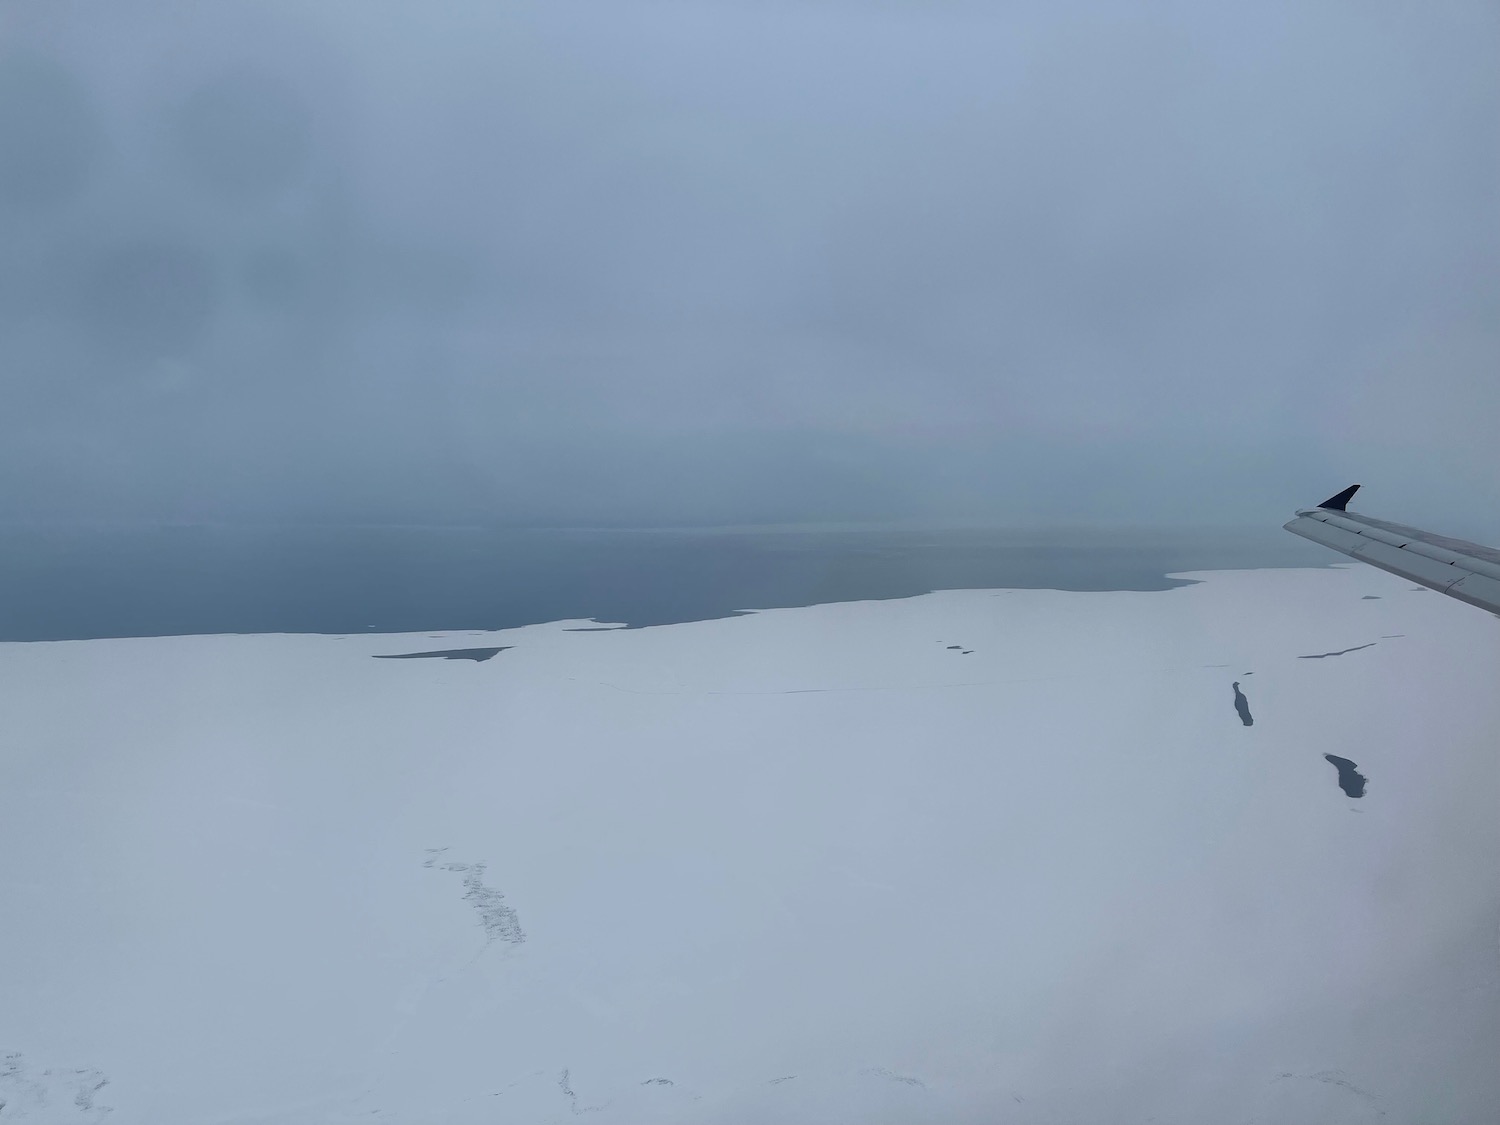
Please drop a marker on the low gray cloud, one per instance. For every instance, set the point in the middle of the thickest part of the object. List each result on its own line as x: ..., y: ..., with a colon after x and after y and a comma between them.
x: 729, y: 262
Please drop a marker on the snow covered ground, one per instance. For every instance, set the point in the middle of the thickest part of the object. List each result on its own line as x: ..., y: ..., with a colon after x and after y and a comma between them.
x: 806, y: 865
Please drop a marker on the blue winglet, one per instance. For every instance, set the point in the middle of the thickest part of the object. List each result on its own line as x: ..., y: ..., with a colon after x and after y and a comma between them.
x: 1340, y: 502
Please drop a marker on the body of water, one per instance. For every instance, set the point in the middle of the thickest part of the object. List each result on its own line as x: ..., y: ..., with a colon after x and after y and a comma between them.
x: 64, y: 583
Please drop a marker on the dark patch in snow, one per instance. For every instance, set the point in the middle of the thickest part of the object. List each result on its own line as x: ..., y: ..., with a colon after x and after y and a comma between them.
x: 565, y: 1085
x: 658, y: 1082
x: 779, y: 1081
x: 1351, y: 781
x: 596, y: 629
x: 1242, y: 705
x: 1391, y: 636
x: 882, y: 1072
x: 498, y: 920
x: 1370, y: 598
x: 1340, y: 652
x: 23, y: 1090
x: 952, y: 647
x: 475, y: 654
x: 90, y: 1082
x: 1331, y: 1078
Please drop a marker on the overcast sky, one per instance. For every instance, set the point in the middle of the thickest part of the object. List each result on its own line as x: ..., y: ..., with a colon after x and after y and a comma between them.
x: 744, y: 260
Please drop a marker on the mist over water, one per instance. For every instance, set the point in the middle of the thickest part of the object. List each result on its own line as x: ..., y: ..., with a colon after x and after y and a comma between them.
x: 656, y: 263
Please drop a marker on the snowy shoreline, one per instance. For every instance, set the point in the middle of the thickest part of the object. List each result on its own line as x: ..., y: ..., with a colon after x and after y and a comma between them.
x: 979, y: 855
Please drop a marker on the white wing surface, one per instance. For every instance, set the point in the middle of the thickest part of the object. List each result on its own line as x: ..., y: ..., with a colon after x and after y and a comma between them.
x: 1462, y: 570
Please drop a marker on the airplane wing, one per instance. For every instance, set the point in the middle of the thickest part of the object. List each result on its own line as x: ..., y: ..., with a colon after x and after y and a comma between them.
x: 1461, y: 570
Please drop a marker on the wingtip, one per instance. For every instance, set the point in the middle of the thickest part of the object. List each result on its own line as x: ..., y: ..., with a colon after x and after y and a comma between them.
x: 1340, y: 502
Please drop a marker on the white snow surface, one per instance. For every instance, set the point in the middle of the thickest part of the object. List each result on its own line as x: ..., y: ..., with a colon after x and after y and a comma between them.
x: 805, y: 865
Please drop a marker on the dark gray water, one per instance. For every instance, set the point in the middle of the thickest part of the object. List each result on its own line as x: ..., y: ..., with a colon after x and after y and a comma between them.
x: 478, y: 655
x: 1351, y: 781
x: 60, y: 583
x: 1242, y: 706
x: 1338, y: 652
